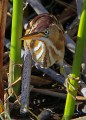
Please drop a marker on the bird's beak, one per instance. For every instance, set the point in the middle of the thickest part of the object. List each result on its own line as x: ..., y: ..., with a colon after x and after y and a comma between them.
x: 32, y: 36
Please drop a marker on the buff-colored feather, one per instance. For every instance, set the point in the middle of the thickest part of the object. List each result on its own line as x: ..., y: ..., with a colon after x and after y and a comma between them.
x: 45, y: 39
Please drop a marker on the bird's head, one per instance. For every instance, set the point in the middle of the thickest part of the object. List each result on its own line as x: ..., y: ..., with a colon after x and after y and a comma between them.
x: 45, y: 39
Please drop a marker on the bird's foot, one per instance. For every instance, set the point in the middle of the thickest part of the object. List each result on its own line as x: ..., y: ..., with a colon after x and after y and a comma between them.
x: 67, y: 84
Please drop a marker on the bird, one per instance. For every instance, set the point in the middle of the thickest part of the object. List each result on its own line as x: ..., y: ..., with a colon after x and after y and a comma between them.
x: 44, y: 37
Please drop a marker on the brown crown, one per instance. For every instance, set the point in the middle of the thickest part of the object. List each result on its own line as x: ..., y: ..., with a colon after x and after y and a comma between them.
x: 41, y: 22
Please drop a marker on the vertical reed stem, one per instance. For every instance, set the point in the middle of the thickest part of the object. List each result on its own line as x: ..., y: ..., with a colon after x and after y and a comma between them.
x: 81, y: 39
x: 15, y: 53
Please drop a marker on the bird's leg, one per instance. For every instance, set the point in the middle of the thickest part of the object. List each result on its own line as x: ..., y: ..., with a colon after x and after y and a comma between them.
x: 63, y: 72
x: 63, y: 69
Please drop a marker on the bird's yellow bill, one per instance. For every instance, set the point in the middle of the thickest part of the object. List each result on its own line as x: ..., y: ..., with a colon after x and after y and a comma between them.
x: 32, y: 36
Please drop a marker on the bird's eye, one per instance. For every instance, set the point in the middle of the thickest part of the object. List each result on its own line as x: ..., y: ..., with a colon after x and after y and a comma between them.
x: 46, y: 32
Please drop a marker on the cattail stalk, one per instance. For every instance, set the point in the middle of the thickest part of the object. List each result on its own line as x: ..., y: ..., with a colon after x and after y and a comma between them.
x: 15, y: 53
x: 81, y: 39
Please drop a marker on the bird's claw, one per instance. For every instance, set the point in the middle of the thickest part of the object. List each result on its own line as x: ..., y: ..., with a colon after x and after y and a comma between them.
x: 67, y: 84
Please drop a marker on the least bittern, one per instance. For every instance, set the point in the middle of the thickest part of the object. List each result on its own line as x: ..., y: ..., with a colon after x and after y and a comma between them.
x: 44, y: 38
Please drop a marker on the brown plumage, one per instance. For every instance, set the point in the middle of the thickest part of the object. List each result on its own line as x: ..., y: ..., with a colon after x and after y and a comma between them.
x: 44, y: 38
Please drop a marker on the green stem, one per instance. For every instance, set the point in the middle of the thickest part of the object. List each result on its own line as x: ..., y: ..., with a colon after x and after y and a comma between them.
x: 81, y: 39
x: 15, y: 53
